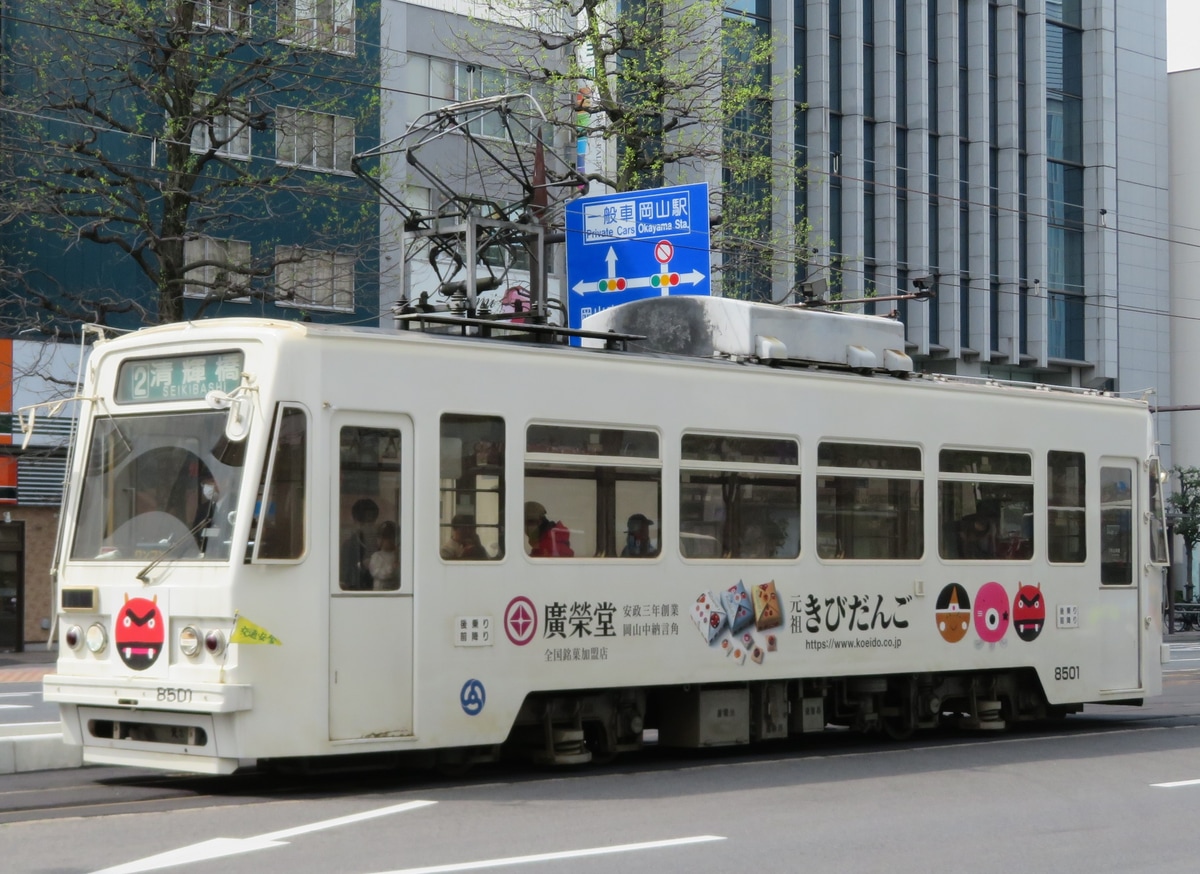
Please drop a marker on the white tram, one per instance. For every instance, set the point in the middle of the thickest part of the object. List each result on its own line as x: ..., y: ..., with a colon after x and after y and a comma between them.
x: 284, y: 541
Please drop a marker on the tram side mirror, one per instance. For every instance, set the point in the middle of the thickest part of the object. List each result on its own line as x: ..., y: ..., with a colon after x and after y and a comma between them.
x: 237, y: 422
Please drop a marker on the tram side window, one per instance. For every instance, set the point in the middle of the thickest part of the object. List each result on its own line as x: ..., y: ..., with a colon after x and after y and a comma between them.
x: 592, y: 482
x: 869, y: 502
x: 985, y: 505
x: 1116, y: 530
x: 369, y: 508
x: 280, y: 512
x: 1158, y: 519
x: 471, y: 488
x: 1066, y: 512
x: 739, y: 497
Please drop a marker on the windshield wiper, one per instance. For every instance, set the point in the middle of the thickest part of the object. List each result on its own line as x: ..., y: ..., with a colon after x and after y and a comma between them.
x: 191, y: 536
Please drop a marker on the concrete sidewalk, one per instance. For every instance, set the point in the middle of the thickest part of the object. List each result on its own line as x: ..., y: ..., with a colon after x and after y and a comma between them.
x: 32, y: 746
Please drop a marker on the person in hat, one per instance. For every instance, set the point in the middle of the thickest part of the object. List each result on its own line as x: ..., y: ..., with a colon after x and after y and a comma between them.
x: 545, y: 538
x: 464, y: 543
x: 637, y: 538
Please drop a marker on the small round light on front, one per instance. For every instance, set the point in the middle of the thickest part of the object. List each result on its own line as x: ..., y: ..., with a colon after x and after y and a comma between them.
x: 97, y: 638
x: 214, y: 642
x: 189, y: 641
x: 73, y: 637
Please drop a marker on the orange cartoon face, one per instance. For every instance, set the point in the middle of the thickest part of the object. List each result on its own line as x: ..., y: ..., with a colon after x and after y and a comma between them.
x: 953, y: 613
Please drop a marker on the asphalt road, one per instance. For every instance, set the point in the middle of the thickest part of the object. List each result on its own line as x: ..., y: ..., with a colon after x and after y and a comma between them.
x: 1114, y: 789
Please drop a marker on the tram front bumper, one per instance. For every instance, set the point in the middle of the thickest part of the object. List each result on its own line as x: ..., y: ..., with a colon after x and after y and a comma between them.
x: 147, y: 694
x: 144, y: 723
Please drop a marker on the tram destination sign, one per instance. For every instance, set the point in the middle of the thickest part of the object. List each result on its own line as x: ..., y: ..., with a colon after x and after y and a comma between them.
x: 178, y: 377
x: 636, y: 244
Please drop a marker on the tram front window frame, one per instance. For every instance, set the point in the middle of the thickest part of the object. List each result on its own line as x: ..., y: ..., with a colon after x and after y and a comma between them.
x: 142, y: 494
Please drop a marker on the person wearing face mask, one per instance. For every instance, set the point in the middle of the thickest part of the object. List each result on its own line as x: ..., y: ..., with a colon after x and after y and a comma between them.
x: 208, y: 524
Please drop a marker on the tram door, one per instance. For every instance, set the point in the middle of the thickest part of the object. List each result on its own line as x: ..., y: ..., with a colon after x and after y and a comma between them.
x: 1120, y: 575
x: 371, y: 594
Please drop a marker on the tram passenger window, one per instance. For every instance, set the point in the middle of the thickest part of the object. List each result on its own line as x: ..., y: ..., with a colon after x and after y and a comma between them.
x: 1158, y: 520
x: 1116, y: 530
x: 985, y: 505
x: 869, y: 502
x: 593, y: 481
x: 739, y: 497
x: 368, y: 508
x: 1065, y: 511
x: 471, y: 488
x: 278, y: 529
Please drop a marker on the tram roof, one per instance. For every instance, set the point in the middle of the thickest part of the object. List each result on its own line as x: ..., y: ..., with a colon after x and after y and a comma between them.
x: 678, y: 327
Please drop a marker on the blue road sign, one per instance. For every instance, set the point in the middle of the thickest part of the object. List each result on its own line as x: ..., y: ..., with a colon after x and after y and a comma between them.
x: 623, y: 247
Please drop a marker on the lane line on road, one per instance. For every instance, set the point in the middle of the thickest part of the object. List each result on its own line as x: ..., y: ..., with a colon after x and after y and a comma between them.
x: 1175, y: 784
x: 217, y: 848
x: 550, y: 857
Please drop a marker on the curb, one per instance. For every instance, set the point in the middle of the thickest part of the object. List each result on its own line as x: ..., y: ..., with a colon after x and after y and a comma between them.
x: 36, y: 746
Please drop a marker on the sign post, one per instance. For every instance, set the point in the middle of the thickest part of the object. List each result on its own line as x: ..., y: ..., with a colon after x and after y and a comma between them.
x: 636, y: 244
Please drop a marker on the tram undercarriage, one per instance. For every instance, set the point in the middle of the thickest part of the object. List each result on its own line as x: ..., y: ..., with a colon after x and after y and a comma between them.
x: 567, y: 728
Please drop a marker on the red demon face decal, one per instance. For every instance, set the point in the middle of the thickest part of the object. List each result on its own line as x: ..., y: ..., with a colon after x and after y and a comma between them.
x: 139, y: 632
x: 1029, y: 612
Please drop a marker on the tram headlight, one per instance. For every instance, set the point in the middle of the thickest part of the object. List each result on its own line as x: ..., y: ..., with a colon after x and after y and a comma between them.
x: 97, y: 638
x: 189, y: 641
x: 73, y: 637
x: 214, y: 642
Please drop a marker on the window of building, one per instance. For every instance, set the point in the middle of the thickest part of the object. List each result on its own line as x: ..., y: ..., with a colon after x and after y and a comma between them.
x: 321, y: 24
x: 431, y: 83
x: 316, y: 140
x: 739, y: 497
x: 369, y: 509
x: 869, y: 502
x: 985, y: 505
x: 471, y: 488
x: 586, y: 486
x: 231, y: 15
x: 313, y: 278
x: 221, y: 266
x: 225, y: 134
x: 1066, y: 509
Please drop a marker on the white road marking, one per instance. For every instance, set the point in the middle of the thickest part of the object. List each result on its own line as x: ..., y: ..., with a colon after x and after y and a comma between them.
x: 219, y: 847
x: 1176, y: 783
x: 15, y: 706
x: 549, y: 857
x: 18, y: 694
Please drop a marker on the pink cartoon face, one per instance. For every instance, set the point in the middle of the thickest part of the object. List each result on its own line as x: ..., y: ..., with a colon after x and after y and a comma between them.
x: 991, y: 612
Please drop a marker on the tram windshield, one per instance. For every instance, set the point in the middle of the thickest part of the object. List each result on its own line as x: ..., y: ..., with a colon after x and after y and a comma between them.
x: 159, y: 487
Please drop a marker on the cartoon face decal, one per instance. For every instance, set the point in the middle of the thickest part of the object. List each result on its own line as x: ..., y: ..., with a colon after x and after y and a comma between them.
x: 139, y: 633
x: 991, y: 612
x: 1029, y: 612
x: 953, y: 613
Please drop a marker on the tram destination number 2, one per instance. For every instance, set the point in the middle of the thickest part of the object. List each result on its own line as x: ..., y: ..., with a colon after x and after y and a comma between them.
x: 174, y: 696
